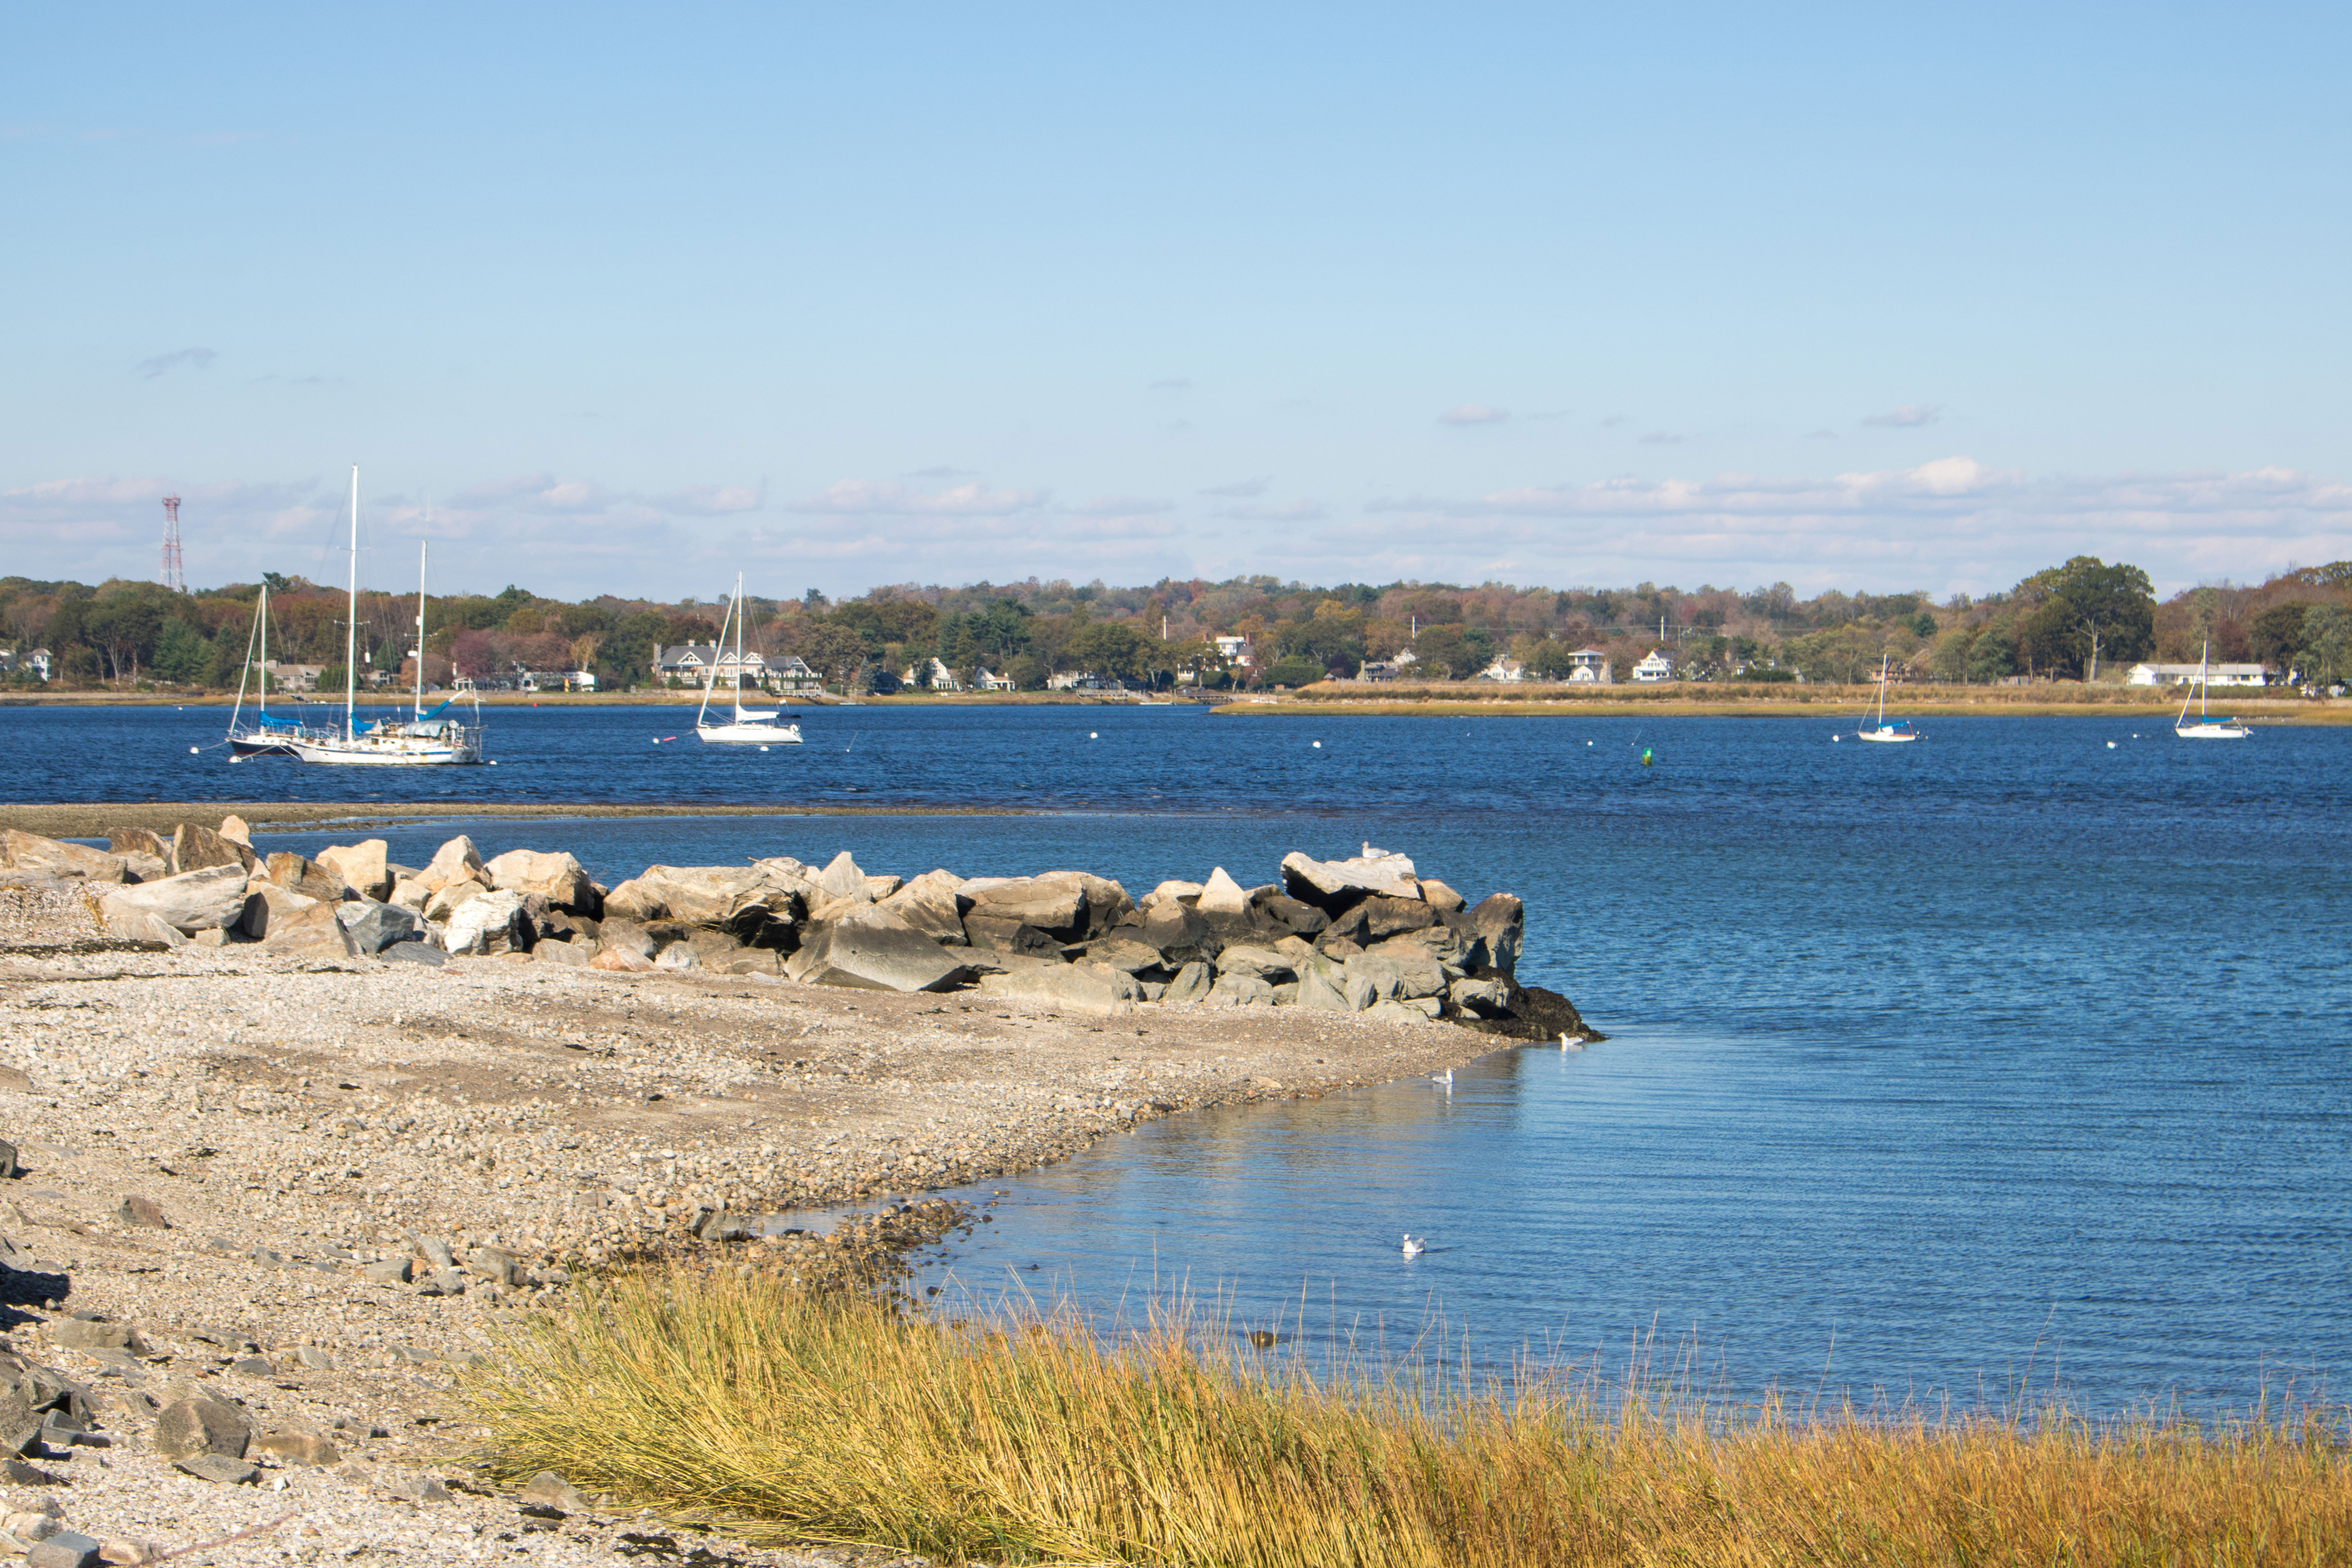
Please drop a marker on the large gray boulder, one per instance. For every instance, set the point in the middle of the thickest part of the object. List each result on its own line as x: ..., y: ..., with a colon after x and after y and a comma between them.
x: 492, y: 923
x: 31, y: 853
x: 703, y: 895
x: 1179, y: 934
x: 362, y: 867
x: 1126, y: 954
x: 1322, y: 986
x: 374, y: 926
x: 841, y: 879
x: 1241, y: 991
x: 1193, y: 983
x: 1401, y: 970
x: 1386, y: 917
x: 1010, y: 936
x: 212, y: 898
x: 929, y: 905
x: 1501, y: 922
x: 186, y: 1429
x: 1059, y: 907
x: 1336, y: 884
x: 1488, y: 998
x: 1258, y: 962
x: 141, y: 841
x: 875, y: 953
x: 554, y: 876
x: 1072, y: 987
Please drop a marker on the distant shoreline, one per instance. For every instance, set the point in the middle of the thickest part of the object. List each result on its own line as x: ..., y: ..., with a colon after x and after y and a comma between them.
x: 92, y: 819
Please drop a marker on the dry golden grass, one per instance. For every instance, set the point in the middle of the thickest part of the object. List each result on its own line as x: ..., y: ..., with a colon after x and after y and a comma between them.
x: 1018, y: 1441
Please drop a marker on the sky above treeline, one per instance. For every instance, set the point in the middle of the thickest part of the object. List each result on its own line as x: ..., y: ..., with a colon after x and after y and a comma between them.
x: 627, y: 300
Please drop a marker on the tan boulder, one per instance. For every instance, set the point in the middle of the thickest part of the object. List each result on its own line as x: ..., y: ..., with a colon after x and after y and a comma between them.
x: 268, y: 905
x: 1223, y: 897
x: 929, y: 904
x: 556, y: 876
x: 21, y: 852
x: 621, y: 959
x: 312, y: 932
x: 212, y: 898
x: 456, y: 861
x: 299, y: 874
x: 361, y: 865
x: 411, y: 894
x: 233, y: 828
x: 452, y: 895
x: 128, y: 841
x: 196, y: 847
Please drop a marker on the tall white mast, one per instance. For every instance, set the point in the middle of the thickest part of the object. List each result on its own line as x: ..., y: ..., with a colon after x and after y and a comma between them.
x: 352, y: 626
x: 739, y: 648
x: 421, y: 547
x: 265, y: 647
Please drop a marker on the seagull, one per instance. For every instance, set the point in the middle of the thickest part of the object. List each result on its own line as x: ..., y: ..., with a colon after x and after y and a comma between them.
x: 1572, y: 1042
x: 1413, y: 1248
x: 1445, y: 1078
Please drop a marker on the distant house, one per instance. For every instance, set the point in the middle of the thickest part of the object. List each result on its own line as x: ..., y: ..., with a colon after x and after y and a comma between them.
x: 1378, y: 670
x: 1084, y: 681
x: 287, y: 677
x: 791, y: 673
x: 700, y: 664
x: 579, y: 680
x: 934, y: 674
x: 1590, y: 667
x: 1655, y: 666
x: 1504, y: 667
x: 2215, y: 675
x: 989, y: 680
x: 1234, y: 650
x: 36, y: 662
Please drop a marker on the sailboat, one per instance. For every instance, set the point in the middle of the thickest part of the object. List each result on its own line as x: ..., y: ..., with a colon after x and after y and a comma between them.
x: 265, y: 736
x: 1881, y: 730
x: 426, y: 740
x: 2207, y: 727
x: 749, y: 727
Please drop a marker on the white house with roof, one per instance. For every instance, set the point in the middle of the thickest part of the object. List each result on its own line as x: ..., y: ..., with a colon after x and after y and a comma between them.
x: 1655, y: 666
x: 1590, y: 667
x: 34, y: 662
x: 934, y: 674
x: 989, y: 680
x: 1504, y: 667
x: 2215, y: 675
x: 699, y: 663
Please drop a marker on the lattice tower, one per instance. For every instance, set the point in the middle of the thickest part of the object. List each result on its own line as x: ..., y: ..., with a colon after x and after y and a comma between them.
x: 173, y: 577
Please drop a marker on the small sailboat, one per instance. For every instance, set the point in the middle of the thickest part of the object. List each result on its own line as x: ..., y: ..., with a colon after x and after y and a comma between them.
x: 2207, y: 727
x: 1881, y: 730
x: 749, y: 727
x: 263, y: 735
x: 424, y: 739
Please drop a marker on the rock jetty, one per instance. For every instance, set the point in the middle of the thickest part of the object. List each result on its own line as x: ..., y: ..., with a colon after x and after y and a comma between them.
x: 1366, y: 934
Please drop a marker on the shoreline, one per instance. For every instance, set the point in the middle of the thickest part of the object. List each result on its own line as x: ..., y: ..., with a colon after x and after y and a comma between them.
x: 308, y: 1130
x: 92, y: 819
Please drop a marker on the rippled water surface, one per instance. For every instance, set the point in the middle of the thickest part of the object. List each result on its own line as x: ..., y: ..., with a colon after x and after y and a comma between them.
x: 1931, y: 1067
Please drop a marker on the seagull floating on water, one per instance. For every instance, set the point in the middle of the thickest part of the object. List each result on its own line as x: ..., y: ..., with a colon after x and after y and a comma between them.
x: 1445, y: 1078
x: 1413, y: 1248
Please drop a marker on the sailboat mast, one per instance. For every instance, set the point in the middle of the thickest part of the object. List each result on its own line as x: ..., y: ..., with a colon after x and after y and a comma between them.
x: 421, y: 546
x: 352, y: 624
x: 264, y: 649
x: 739, y: 648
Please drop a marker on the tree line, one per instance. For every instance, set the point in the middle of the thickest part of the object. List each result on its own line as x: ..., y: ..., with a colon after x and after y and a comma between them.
x: 2082, y: 619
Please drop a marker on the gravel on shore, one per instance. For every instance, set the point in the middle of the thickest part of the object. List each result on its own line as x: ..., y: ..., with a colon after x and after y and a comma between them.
x: 311, y: 1131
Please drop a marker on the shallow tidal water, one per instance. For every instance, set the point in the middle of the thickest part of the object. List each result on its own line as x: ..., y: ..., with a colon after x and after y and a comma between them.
x: 2011, y: 1060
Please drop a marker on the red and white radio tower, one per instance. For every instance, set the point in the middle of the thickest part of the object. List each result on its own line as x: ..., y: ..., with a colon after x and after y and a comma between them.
x: 173, y: 577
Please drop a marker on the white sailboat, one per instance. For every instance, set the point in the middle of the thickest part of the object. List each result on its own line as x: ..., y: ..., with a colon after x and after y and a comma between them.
x: 265, y: 736
x: 1881, y: 730
x: 2207, y: 727
x: 424, y: 739
x: 749, y: 727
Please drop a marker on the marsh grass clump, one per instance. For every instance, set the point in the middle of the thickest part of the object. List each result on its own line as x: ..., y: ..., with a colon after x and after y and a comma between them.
x: 1020, y: 1437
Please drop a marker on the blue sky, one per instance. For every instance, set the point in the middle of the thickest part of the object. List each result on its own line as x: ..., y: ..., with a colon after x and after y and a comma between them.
x: 636, y: 299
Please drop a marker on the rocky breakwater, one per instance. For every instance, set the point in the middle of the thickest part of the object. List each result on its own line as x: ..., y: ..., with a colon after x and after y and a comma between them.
x: 1366, y: 934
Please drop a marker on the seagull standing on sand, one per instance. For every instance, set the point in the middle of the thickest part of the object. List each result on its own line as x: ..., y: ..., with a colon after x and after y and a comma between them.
x: 1413, y: 1248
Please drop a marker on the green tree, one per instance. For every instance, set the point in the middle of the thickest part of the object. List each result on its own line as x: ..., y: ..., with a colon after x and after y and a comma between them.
x: 2277, y: 634
x: 2327, y: 653
x: 1993, y: 655
x: 1109, y: 647
x: 1948, y: 659
x: 2110, y: 611
x: 183, y: 653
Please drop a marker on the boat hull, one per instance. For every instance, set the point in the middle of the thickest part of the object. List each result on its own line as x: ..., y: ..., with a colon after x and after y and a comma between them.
x: 363, y: 755
x: 2211, y: 732
x: 750, y: 734
x: 1889, y: 736
x: 241, y: 747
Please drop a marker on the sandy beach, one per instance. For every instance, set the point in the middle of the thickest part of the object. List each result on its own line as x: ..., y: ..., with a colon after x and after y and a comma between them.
x: 310, y: 1131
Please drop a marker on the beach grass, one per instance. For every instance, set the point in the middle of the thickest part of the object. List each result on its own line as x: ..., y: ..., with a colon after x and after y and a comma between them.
x: 1015, y: 1438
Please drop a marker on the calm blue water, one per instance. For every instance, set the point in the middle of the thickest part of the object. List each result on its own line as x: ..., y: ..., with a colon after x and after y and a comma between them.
x: 1932, y: 1067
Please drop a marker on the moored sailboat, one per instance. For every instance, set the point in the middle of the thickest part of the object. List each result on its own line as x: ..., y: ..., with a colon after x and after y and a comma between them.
x: 264, y: 736
x: 1881, y: 730
x: 2207, y: 727
x: 423, y: 740
x: 749, y: 727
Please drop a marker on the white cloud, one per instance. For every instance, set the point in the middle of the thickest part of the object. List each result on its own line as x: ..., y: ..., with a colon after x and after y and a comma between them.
x: 1474, y: 414
x: 191, y: 359
x: 870, y: 497
x: 1908, y: 416
x: 1293, y: 511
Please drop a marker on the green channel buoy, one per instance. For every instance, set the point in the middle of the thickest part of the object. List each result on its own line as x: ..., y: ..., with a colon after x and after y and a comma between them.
x: 1645, y: 756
